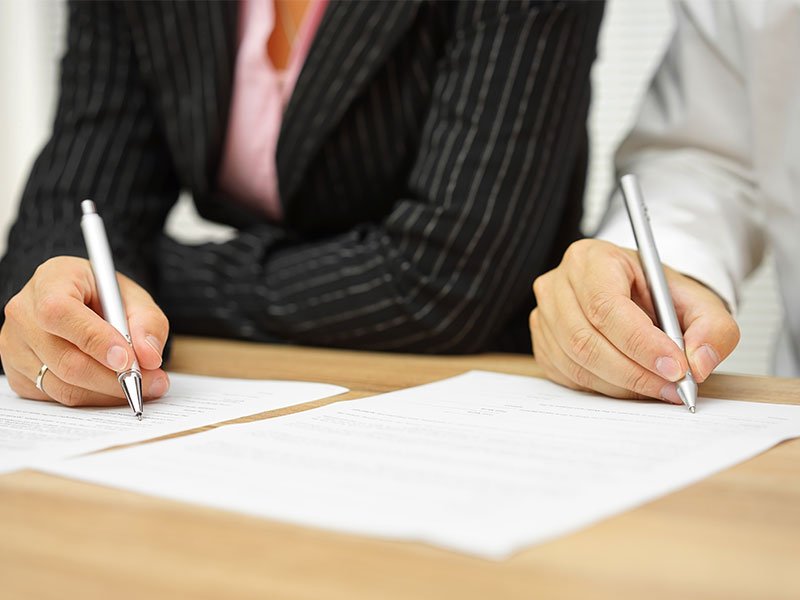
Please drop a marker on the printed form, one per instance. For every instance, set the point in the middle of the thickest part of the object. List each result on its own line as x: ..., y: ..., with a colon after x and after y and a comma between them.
x: 32, y: 431
x: 481, y: 463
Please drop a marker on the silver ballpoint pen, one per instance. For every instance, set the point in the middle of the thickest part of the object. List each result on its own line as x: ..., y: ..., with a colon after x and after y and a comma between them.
x: 656, y: 280
x: 105, y: 276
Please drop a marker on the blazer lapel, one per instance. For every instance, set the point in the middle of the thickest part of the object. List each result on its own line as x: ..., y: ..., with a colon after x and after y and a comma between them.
x: 187, y: 51
x: 351, y: 44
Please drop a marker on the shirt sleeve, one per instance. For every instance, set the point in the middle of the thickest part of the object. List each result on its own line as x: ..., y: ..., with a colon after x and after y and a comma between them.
x: 692, y: 149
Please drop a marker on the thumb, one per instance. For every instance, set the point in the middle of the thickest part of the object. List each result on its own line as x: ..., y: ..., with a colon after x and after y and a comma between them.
x: 710, y: 331
x: 148, y: 324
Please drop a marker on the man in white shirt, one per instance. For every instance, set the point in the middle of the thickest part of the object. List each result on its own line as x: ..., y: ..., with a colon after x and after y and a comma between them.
x: 717, y: 150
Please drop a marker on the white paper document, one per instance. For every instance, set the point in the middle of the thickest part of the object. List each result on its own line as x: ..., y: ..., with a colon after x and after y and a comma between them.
x: 481, y: 463
x: 32, y: 431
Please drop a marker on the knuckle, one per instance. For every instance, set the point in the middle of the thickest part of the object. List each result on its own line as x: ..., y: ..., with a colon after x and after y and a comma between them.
x: 732, y: 332
x: 44, y: 273
x: 540, y: 286
x: 16, y: 384
x: 637, y: 381
x: 533, y: 319
x: 577, y: 251
x: 538, y: 346
x: 579, y: 375
x: 553, y: 373
x: 157, y: 321
x: 583, y: 346
x: 3, y: 343
x: 61, y: 263
x: 50, y: 311
x: 573, y: 251
x: 635, y: 344
x: 91, y: 340
x: 71, y: 366
x: 13, y: 308
x: 70, y: 396
x: 42, y: 269
x: 600, y: 309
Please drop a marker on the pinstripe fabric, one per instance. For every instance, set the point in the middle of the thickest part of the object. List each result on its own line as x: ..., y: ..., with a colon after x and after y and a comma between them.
x: 431, y: 164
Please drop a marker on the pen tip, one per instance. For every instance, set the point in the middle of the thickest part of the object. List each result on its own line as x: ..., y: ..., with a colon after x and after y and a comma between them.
x: 691, y: 409
x: 687, y: 391
x: 139, y: 416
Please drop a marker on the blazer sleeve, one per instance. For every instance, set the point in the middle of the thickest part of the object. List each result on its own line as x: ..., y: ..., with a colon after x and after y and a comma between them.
x: 692, y: 148
x: 443, y: 271
x: 106, y: 146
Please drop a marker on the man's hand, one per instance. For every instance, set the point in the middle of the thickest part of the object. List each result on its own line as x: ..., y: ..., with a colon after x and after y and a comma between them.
x: 55, y: 320
x: 594, y: 327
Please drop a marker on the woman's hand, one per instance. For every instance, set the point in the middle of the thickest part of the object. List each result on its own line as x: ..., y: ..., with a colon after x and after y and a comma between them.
x: 55, y: 320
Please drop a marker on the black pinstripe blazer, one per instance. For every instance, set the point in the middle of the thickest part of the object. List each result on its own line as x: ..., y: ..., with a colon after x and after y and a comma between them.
x: 431, y: 163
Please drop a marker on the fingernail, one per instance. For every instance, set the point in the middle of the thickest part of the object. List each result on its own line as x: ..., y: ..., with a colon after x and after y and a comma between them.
x: 670, y: 393
x: 154, y: 343
x: 117, y: 358
x: 669, y: 368
x: 706, y: 360
x: 158, y: 387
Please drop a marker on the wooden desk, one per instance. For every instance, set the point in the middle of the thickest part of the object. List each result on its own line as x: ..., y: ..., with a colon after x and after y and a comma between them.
x: 734, y: 535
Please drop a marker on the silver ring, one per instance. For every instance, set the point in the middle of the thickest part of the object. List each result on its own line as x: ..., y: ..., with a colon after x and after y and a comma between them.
x: 39, y: 377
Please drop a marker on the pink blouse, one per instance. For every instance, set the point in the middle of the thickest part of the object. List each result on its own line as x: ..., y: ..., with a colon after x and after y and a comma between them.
x: 248, y: 170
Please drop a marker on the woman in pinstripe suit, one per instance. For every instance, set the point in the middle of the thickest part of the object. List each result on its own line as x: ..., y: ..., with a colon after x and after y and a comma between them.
x: 428, y: 164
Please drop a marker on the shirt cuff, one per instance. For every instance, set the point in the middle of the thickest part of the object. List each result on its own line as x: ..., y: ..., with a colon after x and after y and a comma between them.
x: 679, y: 251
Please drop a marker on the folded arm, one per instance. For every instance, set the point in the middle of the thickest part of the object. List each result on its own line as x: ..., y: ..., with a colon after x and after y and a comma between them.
x: 453, y: 260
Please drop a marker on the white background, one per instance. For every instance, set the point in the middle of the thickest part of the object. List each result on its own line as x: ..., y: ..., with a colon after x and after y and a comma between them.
x: 633, y: 36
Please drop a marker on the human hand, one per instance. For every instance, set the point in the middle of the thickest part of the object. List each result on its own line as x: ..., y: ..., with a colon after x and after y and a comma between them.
x: 54, y: 320
x: 594, y: 327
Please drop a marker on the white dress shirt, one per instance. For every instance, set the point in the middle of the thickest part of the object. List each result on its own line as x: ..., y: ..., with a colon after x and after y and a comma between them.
x: 717, y: 150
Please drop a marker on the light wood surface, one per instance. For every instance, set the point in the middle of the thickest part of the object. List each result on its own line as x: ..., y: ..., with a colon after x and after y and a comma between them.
x: 734, y: 535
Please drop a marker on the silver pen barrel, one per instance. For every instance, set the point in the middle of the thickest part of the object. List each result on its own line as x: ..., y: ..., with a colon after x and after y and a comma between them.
x: 656, y: 279
x: 105, y: 275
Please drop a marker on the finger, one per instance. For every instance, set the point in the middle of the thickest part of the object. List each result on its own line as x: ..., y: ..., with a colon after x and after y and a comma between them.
x: 542, y: 353
x: 711, y: 332
x: 23, y: 386
x: 74, y: 367
x: 31, y: 347
x: 603, y: 296
x: 53, y: 388
x: 148, y: 325
x: 585, y: 379
x: 22, y: 366
x: 68, y: 318
x: 20, y: 337
x: 587, y: 349
x: 73, y: 395
x: 64, y: 278
x: 556, y: 376
x: 550, y: 356
x: 63, y: 300
x: 563, y: 368
x: 78, y: 370
x: 67, y: 362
